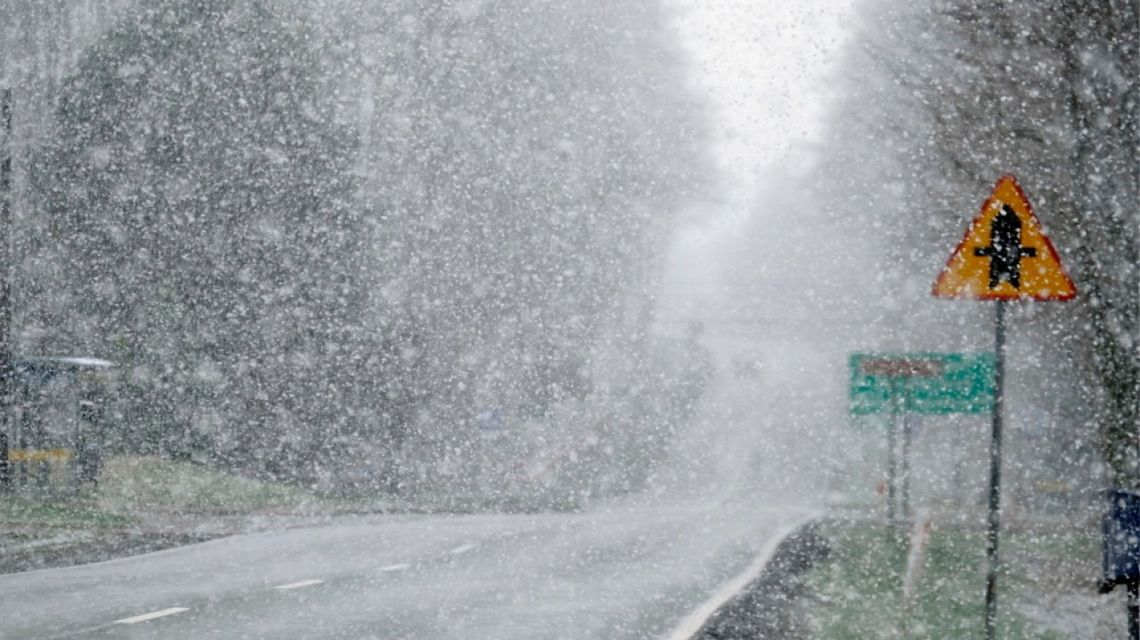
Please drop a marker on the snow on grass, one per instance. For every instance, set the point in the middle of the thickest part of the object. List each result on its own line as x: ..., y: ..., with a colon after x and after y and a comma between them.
x: 858, y: 594
x: 23, y: 511
x: 134, y: 484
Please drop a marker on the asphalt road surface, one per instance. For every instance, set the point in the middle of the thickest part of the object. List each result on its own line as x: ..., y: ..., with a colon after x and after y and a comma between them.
x: 616, y: 572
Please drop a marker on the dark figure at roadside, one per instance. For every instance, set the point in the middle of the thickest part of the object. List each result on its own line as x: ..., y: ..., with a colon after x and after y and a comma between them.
x: 89, y: 456
x: 5, y: 470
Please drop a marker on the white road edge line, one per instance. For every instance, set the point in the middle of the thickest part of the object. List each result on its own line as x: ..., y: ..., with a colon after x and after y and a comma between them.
x: 151, y: 616
x: 463, y: 548
x: 298, y: 585
x: 691, y: 624
x: 395, y: 567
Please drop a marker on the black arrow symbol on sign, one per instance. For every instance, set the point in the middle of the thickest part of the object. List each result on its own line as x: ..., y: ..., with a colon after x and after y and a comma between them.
x: 1005, y: 251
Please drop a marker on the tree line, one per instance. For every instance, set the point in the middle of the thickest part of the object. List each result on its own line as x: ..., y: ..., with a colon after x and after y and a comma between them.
x: 941, y: 97
x: 322, y: 239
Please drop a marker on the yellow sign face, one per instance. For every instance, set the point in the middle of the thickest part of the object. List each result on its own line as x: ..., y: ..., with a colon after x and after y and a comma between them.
x: 1005, y: 254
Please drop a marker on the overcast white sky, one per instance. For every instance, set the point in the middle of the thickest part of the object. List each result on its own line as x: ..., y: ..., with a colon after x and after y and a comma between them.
x: 763, y: 64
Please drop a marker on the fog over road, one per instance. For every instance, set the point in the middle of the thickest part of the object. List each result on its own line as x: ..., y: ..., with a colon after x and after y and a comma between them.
x: 633, y: 568
x: 743, y: 473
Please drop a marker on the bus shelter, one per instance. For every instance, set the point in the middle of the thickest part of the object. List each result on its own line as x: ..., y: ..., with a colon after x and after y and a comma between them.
x: 55, y: 435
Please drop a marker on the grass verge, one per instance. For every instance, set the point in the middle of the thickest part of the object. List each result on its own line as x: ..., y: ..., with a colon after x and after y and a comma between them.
x: 68, y: 513
x: 146, y: 503
x: 858, y: 593
x: 133, y: 484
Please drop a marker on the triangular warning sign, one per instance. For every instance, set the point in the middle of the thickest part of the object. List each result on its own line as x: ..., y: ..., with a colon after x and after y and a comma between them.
x: 1005, y: 254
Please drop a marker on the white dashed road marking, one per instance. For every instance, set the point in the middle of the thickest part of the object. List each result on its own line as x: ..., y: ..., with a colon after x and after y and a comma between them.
x: 298, y: 585
x: 151, y: 616
x: 463, y: 548
x: 395, y: 567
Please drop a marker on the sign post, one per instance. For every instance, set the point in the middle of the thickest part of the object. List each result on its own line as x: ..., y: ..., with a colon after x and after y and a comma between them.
x: 925, y: 382
x: 1005, y: 255
x: 892, y: 447
x: 993, y: 526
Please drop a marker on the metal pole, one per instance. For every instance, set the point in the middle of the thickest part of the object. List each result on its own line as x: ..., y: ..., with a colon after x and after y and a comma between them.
x: 1134, y: 609
x: 5, y: 474
x: 992, y: 532
x: 5, y: 263
x: 906, y: 434
x: 891, y: 446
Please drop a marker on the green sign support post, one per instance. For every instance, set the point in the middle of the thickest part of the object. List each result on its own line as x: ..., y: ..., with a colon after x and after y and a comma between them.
x: 898, y: 384
x: 897, y: 409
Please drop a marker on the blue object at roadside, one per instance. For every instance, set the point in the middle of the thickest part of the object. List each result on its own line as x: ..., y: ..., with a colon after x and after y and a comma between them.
x: 1121, y: 539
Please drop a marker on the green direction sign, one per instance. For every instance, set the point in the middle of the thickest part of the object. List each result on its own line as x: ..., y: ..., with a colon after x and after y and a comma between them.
x: 923, y: 382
